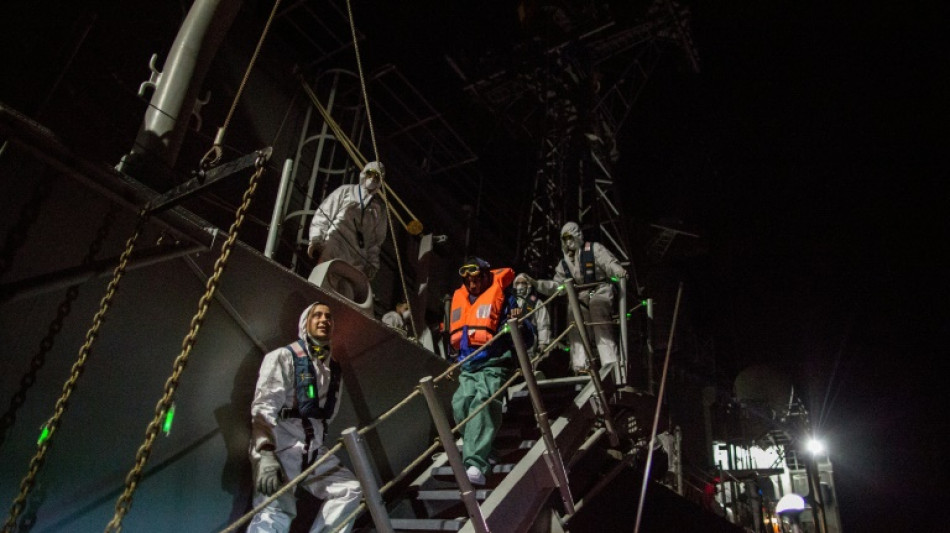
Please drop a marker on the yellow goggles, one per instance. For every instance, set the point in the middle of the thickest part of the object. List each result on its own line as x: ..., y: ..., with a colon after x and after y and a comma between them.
x: 469, y: 270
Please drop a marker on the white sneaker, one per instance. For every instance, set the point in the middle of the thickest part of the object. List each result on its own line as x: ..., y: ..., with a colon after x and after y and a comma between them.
x: 475, y: 475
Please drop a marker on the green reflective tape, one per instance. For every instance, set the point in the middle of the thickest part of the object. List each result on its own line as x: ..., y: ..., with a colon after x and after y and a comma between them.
x: 44, y: 435
x: 169, y: 417
x: 310, y: 393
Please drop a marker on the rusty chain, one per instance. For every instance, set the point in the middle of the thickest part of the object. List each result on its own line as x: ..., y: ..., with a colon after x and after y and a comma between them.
x: 53, y: 423
x: 46, y: 344
x: 124, y: 503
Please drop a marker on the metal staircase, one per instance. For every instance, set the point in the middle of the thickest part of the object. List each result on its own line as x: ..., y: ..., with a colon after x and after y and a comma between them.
x: 519, y: 487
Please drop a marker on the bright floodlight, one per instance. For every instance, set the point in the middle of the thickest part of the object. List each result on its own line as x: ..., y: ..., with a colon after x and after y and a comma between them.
x: 790, y: 503
x: 815, y: 446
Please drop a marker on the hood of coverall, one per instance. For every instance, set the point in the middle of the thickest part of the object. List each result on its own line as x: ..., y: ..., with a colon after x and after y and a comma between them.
x: 521, y: 286
x: 368, y: 180
x: 302, y: 324
x: 570, y: 246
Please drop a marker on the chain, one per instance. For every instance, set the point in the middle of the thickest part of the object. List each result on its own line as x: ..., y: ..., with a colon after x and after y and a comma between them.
x: 28, y: 215
x: 39, y: 359
x: 141, y: 457
x: 37, y: 462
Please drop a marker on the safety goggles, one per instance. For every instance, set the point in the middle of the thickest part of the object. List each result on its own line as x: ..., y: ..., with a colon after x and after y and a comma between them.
x: 567, y: 237
x: 371, y: 173
x: 469, y: 270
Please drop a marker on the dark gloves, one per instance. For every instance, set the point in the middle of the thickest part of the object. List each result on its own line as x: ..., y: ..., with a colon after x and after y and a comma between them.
x: 268, y: 473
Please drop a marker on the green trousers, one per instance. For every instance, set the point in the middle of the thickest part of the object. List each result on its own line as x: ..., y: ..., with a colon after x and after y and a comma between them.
x: 479, y: 433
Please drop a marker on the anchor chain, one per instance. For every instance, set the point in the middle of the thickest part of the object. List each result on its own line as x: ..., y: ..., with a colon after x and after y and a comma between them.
x: 53, y: 423
x: 46, y: 344
x: 124, y: 503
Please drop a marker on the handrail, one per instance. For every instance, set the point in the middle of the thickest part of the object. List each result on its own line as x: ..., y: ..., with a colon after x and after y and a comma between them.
x: 418, y: 391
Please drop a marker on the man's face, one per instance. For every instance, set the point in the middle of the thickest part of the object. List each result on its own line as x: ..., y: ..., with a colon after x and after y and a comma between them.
x: 521, y: 288
x: 371, y: 180
x: 476, y: 283
x: 320, y: 322
x: 569, y: 243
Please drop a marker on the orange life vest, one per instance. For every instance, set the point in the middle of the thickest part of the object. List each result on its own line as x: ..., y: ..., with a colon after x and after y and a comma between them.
x: 481, y: 317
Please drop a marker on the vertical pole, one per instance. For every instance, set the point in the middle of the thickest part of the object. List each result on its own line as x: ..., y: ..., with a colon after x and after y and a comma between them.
x: 453, y: 455
x: 679, y: 460
x: 551, y: 455
x: 364, y: 472
x: 446, y: 320
x: 811, y: 470
x: 622, y: 378
x: 594, y: 375
x: 280, y: 207
x: 656, y: 414
x: 651, y: 378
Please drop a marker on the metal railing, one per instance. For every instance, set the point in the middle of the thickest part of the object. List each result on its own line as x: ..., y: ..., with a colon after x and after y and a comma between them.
x: 373, y: 494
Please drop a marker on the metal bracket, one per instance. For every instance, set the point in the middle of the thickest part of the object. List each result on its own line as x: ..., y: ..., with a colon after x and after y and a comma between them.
x: 154, y: 78
x: 204, y: 178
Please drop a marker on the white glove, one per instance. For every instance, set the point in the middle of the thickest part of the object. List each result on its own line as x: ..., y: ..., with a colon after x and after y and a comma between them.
x: 268, y: 473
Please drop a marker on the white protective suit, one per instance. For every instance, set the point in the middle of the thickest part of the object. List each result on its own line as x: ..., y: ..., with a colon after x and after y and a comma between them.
x: 541, y: 318
x: 398, y: 321
x: 331, y: 482
x: 350, y: 224
x: 597, y: 305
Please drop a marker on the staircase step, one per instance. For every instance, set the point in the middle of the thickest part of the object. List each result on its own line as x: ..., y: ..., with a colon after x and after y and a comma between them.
x: 496, y: 469
x: 427, y: 524
x: 450, y: 494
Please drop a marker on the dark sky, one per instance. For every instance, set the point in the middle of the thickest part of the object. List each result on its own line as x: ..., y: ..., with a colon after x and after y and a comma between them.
x: 809, y: 154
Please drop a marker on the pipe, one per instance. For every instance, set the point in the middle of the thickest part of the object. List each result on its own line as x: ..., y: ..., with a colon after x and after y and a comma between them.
x: 280, y: 207
x: 623, y: 367
x: 166, y: 118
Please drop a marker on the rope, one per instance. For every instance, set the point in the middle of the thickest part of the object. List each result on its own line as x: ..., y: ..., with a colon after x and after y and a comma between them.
x: 402, y: 275
x: 385, y: 416
x: 384, y: 191
x: 141, y: 457
x: 359, y: 69
x: 53, y: 423
x: 213, y: 155
x: 287, y: 486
